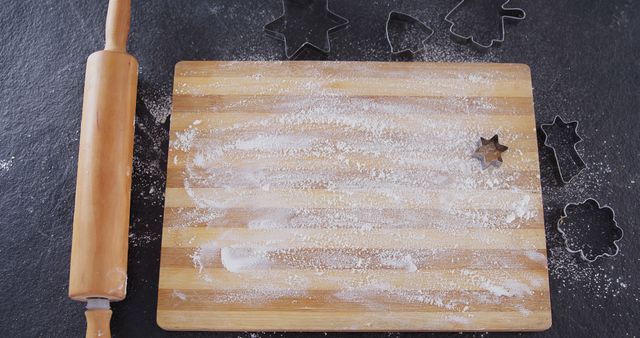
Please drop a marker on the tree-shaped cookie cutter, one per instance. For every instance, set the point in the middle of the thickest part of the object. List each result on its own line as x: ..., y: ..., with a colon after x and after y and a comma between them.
x: 505, y: 13
x: 399, y: 17
x: 275, y: 28
x: 570, y: 216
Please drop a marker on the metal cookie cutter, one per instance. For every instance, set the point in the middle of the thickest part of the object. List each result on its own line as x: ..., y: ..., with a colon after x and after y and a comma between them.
x: 591, y: 230
x: 489, y: 152
x: 562, y: 137
x: 505, y: 13
x: 298, y: 22
x: 403, y: 33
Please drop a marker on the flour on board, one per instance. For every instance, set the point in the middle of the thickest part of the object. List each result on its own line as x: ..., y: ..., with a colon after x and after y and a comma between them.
x: 261, y: 164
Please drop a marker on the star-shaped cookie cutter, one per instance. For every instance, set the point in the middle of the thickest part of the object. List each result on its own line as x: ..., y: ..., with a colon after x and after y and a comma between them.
x: 275, y: 28
x: 520, y: 14
x: 489, y: 152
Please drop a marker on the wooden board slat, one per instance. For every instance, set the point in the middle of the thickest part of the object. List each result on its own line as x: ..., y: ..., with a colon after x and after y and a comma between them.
x: 342, y: 196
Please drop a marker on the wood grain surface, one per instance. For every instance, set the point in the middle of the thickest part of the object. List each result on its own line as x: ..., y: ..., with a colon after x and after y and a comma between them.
x: 342, y: 196
x: 98, y: 267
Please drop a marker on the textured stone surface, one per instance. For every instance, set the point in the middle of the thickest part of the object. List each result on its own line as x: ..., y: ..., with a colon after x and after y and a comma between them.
x: 585, y: 65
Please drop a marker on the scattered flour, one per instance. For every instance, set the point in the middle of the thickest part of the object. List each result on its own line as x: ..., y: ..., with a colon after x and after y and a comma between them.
x: 459, y: 319
x: 405, y: 263
x: 508, y: 287
x: 522, y: 210
x: 205, y: 256
x: 261, y: 175
x: 184, y: 139
x: 142, y: 239
x: 5, y: 165
x: 536, y: 257
x: 158, y: 103
x: 179, y: 295
x: 605, y: 280
x: 240, y: 262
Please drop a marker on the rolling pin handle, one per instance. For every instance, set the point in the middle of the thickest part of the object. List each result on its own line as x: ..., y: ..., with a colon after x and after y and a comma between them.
x: 117, y: 26
x: 98, y: 319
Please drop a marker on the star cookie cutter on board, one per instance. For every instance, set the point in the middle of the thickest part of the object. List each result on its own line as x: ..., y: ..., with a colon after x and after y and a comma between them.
x: 405, y: 21
x: 517, y: 14
x: 489, y: 152
x: 572, y: 221
x: 568, y: 160
x: 277, y: 28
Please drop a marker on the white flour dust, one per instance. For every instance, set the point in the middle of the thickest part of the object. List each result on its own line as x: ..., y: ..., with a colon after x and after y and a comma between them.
x: 5, y: 165
x: 606, y: 278
x: 323, y: 187
x: 149, y: 169
x: 158, y: 103
x: 184, y: 140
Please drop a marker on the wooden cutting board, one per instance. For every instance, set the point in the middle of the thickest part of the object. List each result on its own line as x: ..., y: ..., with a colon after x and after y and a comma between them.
x: 342, y: 196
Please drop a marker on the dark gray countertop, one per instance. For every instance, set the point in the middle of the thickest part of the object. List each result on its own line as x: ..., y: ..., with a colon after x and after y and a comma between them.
x: 585, y: 60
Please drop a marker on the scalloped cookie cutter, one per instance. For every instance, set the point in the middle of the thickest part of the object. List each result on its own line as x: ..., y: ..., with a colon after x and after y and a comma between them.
x: 590, y: 206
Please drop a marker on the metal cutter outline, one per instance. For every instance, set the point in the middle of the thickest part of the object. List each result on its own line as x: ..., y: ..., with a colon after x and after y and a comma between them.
x: 399, y: 16
x: 500, y: 148
x: 581, y: 251
x: 503, y: 17
x: 581, y: 162
x: 341, y: 22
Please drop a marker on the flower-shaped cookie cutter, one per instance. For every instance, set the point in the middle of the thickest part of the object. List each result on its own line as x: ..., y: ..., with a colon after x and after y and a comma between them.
x: 583, y: 232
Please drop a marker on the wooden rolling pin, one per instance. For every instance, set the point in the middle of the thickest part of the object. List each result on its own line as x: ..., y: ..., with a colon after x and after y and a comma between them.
x: 101, y: 220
